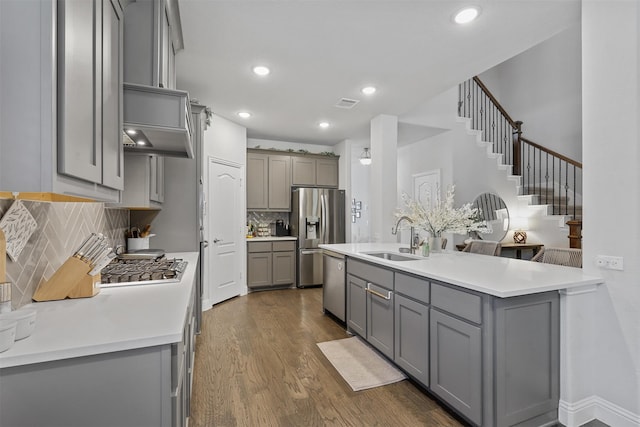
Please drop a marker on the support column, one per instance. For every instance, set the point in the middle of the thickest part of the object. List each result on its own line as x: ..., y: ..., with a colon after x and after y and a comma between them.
x: 383, y: 180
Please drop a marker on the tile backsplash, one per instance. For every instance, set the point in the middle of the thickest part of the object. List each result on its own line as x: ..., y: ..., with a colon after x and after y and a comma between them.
x: 256, y: 217
x: 62, y: 227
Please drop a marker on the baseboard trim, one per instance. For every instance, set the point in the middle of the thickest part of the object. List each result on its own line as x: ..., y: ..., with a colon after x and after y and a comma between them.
x: 592, y: 408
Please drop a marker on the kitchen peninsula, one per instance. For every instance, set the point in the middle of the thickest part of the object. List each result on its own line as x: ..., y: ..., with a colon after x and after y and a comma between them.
x: 122, y: 357
x: 481, y: 333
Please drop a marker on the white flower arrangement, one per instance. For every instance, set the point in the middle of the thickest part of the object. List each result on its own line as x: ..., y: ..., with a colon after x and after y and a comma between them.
x: 442, y: 217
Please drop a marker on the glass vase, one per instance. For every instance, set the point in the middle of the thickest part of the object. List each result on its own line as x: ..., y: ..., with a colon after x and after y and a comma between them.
x: 435, y: 243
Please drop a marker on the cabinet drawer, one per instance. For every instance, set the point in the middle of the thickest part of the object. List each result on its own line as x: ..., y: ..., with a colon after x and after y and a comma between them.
x: 461, y: 303
x: 413, y: 287
x: 284, y: 246
x: 259, y: 247
x: 370, y: 273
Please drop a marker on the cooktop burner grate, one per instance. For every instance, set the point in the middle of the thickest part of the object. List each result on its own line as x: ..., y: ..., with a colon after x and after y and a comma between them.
x: 123, y: 272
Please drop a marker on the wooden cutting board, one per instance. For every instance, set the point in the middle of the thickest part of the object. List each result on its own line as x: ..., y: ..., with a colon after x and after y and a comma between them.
x: 3, y: 257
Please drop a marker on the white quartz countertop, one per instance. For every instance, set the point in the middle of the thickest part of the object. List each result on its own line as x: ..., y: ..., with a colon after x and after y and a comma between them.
x: 116, y: 319
x: 497, y: 276
x: 270, y: 238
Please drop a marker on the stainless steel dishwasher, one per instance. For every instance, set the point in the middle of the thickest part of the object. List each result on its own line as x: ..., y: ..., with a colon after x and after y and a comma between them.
x: 333, y: 289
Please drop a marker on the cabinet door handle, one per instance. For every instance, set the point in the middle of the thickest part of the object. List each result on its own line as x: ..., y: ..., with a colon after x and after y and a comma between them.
x: 378, y: 294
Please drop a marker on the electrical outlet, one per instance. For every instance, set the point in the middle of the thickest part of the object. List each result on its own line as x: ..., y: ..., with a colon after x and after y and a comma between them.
x: 609, y: 262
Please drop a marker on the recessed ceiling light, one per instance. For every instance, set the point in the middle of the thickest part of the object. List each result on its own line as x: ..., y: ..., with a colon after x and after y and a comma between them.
x: 261, y: 70
x: 141, y: 142
x: 131, y: 131
x: 244, y: 114
x: 466, y: 15
x: 323, y: 125
x: 369, y: 90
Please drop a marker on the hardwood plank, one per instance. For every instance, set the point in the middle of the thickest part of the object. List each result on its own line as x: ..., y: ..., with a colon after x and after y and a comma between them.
x: 257, y: 364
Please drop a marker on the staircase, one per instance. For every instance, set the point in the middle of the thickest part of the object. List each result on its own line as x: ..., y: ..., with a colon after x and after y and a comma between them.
x: 548, y: 181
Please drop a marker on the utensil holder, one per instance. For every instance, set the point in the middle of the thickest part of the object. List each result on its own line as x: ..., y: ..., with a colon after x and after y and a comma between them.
x: 71, y: 280
x: 137, y: 243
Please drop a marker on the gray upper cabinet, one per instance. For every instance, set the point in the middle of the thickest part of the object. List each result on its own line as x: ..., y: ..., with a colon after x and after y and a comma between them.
x: 279, y: 183
x: 73, y: 137
x: 79, y: 106
x: 327, y: 172
x: 311, y: 171
x: 304, y: 171
x: 152, y: 37
x: 257, y: 181
x: 90, y: 91
x: 156, y: 179
x: 268, y: 182
x: 144, y: 187
x: 112, y: 71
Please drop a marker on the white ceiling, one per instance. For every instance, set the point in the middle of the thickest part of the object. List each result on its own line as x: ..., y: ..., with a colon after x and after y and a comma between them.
x: 322, y: 50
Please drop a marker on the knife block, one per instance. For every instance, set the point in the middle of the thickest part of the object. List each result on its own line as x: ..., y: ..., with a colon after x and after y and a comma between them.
x: 71, y: 280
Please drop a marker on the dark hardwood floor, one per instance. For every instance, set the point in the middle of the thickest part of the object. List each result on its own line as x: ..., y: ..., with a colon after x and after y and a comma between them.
x: 257, y: 364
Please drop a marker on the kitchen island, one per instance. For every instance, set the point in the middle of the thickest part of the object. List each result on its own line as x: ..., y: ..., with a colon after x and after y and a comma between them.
x: 480, y: 333
x: 122, y: 357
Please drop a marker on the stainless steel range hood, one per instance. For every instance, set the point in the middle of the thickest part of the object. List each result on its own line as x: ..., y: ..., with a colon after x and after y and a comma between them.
x: 157, y: 120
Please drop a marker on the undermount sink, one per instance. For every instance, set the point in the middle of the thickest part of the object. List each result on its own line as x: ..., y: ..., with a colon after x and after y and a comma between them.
x: 392, y: 256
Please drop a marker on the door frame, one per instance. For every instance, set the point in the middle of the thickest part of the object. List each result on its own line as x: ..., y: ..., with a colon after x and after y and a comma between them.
x: 207, y: 302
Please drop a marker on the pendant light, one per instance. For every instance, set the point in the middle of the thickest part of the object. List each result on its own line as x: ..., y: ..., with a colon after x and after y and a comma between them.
x: 365, y: 157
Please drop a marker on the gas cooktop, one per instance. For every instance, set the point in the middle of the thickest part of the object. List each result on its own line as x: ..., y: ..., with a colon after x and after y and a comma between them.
x: 128, y: 272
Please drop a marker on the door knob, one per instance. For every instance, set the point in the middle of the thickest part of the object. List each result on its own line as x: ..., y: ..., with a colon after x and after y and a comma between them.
x: 215, y: 240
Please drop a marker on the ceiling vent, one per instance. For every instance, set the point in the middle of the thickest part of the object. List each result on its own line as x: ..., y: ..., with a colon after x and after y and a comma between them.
x: 347, y: 103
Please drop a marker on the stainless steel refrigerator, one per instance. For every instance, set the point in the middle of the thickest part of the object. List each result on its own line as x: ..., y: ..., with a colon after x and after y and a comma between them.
x: 317, y: 216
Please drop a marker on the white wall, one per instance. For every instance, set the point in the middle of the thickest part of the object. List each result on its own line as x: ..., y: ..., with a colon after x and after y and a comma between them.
x: 360, y: 178
x: 226, y: 140
x: 611, y: 135
x: 463, y: 162
x: 542, y: 88
x: 383, y: 176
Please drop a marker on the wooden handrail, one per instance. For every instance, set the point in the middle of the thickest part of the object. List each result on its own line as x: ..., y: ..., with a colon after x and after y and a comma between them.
x: 553, y: 153
x: 551, y: 176
x: 495, y: 101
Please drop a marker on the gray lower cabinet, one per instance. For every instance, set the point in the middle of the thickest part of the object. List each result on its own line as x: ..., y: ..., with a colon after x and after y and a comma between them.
x: 412, y: 337
x: 456, y: 364
x: 147, y: 386
x: 411, y: 315
x: 357, y: 305
x: 271, y: 264
x: 495, y: 361
x: 370, y: 294
x: 380, y: 318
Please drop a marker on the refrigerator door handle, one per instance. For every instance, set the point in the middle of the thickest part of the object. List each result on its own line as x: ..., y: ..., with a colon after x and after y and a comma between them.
x: 323, y: 214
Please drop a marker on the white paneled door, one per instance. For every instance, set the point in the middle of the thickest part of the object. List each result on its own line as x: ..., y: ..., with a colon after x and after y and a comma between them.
x: 224, y: 225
